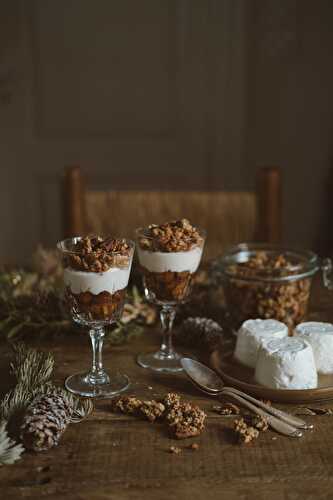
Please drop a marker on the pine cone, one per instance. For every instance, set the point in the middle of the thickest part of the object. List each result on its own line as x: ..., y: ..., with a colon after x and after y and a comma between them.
x: 45, y: 421
x: 200, y: 332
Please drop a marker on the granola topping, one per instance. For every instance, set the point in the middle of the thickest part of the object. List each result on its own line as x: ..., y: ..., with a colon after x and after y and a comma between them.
x: 175, y: 236
x: 96, y: 255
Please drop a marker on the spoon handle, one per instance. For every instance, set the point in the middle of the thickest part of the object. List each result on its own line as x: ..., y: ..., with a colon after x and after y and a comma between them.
x: 276, y: 424
x: 286, y: 417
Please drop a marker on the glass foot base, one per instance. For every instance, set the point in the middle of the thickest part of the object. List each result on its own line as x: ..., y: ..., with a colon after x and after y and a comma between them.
x: 79, y: 384
x: 159, y: 362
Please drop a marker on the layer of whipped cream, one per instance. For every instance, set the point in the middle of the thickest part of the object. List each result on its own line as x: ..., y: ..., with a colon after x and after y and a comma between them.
x: 286, y: 363
x: 108, y: 281
x: 320, y: 336
x: 160, y: 262
x: 252, y: 334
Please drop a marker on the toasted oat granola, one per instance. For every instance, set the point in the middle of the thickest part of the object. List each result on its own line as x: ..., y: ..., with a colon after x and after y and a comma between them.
x: 249, y: 297
x: 152, y: 410
x: 130, y: 405
x: 186, y: 420
x: 171, y: 399
x: 95, y: 254
x: 257, y: 421
x: 175, y: 236
x: 245, y: 434
x: 183, y: 419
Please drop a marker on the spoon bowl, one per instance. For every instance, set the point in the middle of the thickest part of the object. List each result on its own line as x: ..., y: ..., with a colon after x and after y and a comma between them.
x: 202, y: 376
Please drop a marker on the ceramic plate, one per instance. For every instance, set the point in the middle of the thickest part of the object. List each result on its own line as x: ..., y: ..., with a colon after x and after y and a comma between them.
x: 241, y: 377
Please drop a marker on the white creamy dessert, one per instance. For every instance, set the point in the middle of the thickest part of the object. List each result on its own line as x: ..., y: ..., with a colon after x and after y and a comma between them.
x: 286, y: 363
x: 111, y: 281
x: 252, y: 334
x: 160, y: 262
x: 320, y: 336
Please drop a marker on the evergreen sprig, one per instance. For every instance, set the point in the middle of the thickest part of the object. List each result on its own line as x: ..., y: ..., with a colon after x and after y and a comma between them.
x: 33, y: 370
x: 10, y: 451
x: 30, y: 367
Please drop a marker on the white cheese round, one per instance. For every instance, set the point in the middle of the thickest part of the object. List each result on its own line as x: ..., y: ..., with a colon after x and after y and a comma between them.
x: 251, y: 335
x: 286, y: 363
x: 160, y: 262
x: 108, y: 281
x: 320, y: 336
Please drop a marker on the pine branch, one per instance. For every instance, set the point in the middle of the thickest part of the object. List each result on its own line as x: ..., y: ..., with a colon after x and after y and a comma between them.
x: 30, y: 367
x: 10, y: 451
x: 14, y: 402
x: 32, y: 370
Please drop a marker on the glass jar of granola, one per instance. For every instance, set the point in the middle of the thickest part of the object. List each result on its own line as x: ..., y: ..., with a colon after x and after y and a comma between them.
x: 266, y: 281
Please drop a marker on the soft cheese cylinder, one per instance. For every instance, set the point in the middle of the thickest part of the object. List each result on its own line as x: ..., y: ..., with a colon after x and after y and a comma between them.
x: 320, y: 336
x: 286, y: 363
x: 252, y: 334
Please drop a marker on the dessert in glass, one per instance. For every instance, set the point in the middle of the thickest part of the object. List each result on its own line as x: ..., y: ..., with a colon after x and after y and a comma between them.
x: 96, y: 274
x: 169, y: 255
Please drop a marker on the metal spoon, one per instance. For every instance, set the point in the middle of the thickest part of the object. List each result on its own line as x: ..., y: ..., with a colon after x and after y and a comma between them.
x: 208, y: 381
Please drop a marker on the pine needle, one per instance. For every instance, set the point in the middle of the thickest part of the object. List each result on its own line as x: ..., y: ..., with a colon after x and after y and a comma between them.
x: 10, y: 451
x: 30, y: 367
x: 15, y: 402
x: 82, y: 409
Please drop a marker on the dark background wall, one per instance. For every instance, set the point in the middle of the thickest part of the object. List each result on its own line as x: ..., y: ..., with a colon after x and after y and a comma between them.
x: 170, y: 93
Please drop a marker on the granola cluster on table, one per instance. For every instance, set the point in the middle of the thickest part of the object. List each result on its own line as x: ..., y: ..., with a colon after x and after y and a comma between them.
x: 183, y: 419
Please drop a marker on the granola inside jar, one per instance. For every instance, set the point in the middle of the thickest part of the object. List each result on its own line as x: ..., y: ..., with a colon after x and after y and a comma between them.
x: 266, y: 281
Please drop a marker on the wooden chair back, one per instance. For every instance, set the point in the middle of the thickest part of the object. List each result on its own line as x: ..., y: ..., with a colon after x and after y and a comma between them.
x: 228, y: 217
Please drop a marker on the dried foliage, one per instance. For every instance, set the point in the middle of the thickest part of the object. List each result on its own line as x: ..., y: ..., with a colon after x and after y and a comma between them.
x: 33, y: 370
x: 31, y: 304
x: 10, y: 451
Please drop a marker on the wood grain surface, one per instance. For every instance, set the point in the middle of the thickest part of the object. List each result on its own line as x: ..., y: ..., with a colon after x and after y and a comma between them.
x: 117, y: 457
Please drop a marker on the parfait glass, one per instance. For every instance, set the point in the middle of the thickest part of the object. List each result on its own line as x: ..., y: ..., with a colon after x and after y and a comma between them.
x: 95, y: 299
x: 167, y: 280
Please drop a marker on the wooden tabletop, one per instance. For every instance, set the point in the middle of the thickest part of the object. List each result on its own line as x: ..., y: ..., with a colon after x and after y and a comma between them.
x: 118, y: 457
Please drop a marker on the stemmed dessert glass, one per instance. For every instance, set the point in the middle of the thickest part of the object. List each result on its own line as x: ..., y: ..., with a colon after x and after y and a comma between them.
x: 167, y: 280
x: 95, y: 285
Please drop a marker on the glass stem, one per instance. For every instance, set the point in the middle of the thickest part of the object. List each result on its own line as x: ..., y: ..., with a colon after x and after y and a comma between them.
x: 97, y: 374
x: 167, y: 315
